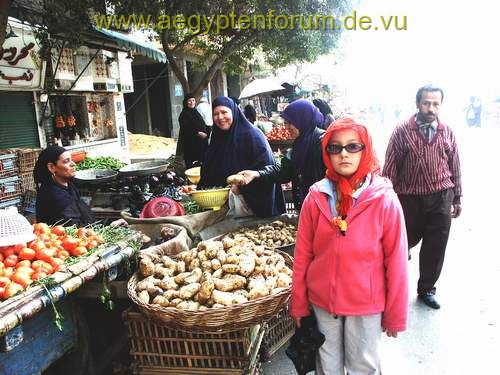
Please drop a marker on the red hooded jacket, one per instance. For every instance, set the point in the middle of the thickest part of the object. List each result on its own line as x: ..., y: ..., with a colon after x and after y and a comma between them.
x: 361, y: 273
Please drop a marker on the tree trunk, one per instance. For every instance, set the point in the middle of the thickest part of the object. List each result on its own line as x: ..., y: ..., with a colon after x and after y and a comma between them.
x: 4, y: 16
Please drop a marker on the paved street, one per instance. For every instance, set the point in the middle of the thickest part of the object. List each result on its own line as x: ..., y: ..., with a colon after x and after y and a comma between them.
x: 463, y: 337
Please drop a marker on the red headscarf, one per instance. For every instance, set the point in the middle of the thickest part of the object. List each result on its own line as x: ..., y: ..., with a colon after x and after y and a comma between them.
x: 367, y: 164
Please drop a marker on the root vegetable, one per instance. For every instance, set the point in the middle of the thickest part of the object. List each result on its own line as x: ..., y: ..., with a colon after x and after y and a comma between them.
x: 146, y: 267
x: 143, y: 296
x: 188, y: 291
x: 233, y: 282
x: 231, y: 268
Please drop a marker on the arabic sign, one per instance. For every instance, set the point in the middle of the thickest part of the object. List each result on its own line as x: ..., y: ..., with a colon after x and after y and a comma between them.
x: 21, y: 67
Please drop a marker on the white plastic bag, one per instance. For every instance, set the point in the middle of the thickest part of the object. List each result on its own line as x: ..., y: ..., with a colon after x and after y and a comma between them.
x: 237, y: 206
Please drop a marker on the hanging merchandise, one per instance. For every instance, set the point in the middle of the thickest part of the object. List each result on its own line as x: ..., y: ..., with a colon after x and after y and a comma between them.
x: 70, y: 119
x: 59, y: 119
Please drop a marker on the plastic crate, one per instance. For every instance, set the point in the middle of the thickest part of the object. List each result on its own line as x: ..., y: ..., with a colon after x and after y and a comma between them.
x: 278, y: 331
x: 10, y: 188
x: 11, y: 202
x: 8, y: 164
x: 157, y: 349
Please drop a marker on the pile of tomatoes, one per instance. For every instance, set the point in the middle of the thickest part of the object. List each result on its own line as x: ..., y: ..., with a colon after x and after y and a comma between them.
x: 279, y: 133
x: 22, y: 264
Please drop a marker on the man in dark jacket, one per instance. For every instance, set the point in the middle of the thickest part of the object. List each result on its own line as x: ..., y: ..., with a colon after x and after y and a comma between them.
x: 303, y: 164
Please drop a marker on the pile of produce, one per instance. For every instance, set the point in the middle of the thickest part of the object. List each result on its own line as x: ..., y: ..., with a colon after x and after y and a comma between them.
x: 23, y: 264
x: 145, y: 144
x: 54, y: 247
x: 102, y: 162
x: 213, y: 275
x: 279, y: 133
x: 272, y: 235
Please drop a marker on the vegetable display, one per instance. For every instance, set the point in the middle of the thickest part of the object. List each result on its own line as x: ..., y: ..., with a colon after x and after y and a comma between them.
x: 215, y: 274
x: 54, y: 247
x: 275, y: 234
x: 279, y: 133
x: 23, y: 264
x: 103, y: 162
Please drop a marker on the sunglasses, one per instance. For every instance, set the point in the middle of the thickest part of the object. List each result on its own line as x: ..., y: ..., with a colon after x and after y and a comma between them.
x: 350, y: 147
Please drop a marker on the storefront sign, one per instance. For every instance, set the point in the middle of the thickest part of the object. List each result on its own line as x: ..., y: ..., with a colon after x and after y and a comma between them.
x: 21, y: 67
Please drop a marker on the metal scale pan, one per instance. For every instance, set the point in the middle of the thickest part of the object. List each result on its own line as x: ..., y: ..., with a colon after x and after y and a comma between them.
x: 94, y: 176
x: 144, y: 168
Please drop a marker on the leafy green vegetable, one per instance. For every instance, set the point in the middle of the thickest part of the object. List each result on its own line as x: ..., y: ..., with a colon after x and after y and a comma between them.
x: 102, y: 162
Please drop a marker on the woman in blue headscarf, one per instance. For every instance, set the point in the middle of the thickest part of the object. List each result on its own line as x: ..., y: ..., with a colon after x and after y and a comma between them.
x: 303, y: 164
x: 235, y: 145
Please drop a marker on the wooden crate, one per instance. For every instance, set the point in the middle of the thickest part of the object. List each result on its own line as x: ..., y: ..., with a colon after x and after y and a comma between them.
x: 278, y: 331
x: 158, y: 349
x: 26, y: 158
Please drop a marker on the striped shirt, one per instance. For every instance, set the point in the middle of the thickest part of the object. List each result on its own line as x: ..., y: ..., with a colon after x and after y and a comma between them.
x: 416, y: 166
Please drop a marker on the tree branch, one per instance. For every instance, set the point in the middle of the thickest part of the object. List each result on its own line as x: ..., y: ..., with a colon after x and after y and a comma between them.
x: 173, y: 64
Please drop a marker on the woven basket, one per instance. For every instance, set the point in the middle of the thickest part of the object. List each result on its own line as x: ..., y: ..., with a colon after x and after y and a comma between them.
x: 229, y: 318
x: 211, y: 199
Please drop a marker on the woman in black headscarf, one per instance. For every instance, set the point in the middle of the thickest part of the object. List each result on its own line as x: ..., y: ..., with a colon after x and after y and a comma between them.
x: 237, y: 145
x: 326, y: 111
x: 192, y: 133
x: 250, y: 113
x: 57, y: 199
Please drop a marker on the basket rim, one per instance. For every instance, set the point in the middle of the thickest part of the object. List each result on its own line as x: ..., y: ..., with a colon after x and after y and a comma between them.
x: 178, y: 316
x: 194, y: 192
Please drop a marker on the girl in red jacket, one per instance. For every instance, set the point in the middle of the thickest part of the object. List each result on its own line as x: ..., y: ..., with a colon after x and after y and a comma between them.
x: 350, y: 263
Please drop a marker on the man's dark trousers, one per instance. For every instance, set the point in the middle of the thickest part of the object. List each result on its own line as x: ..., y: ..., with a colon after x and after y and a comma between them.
x: 428, y: 218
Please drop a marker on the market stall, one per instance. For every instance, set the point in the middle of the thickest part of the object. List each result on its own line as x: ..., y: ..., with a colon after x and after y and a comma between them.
x: 41, y: 267
x: 220, y: 307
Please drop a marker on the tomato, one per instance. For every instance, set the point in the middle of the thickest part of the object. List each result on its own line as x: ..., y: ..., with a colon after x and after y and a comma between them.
x: 78, y: 251
x: 2, y: 292
x: 38, y: 275
x: 57, y: 243
x: 10, y: 261
x: 59, y: 230
x: 70, y: 243
x: 8, y: 250
x: 92, y: 244
x: 43, y: 237
x: 27, y: 254
x: 56, y: 263
x: 8, y: 272
x: 1, y: 257
x: 37, y: 245
x: 18, y: 248
x: 12, y: 289
x: 90, y: 232
x: 82, y: 233
x: 30, y: 271
x: 40, y: 228
x: 46, y: 254
x: 41, y: 266
x: 2, y: 266
x: 62, y: 254
x: 4, y: 281
x: 99, y: 238
x: 22, y: 279
x: 23, y: 263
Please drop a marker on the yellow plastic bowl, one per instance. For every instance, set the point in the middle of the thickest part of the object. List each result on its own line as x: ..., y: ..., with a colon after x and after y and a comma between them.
x: 193, y: 175
x: 211, y: 199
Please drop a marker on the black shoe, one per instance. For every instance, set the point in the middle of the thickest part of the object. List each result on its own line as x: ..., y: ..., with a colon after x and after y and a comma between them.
x: 429, y: 299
